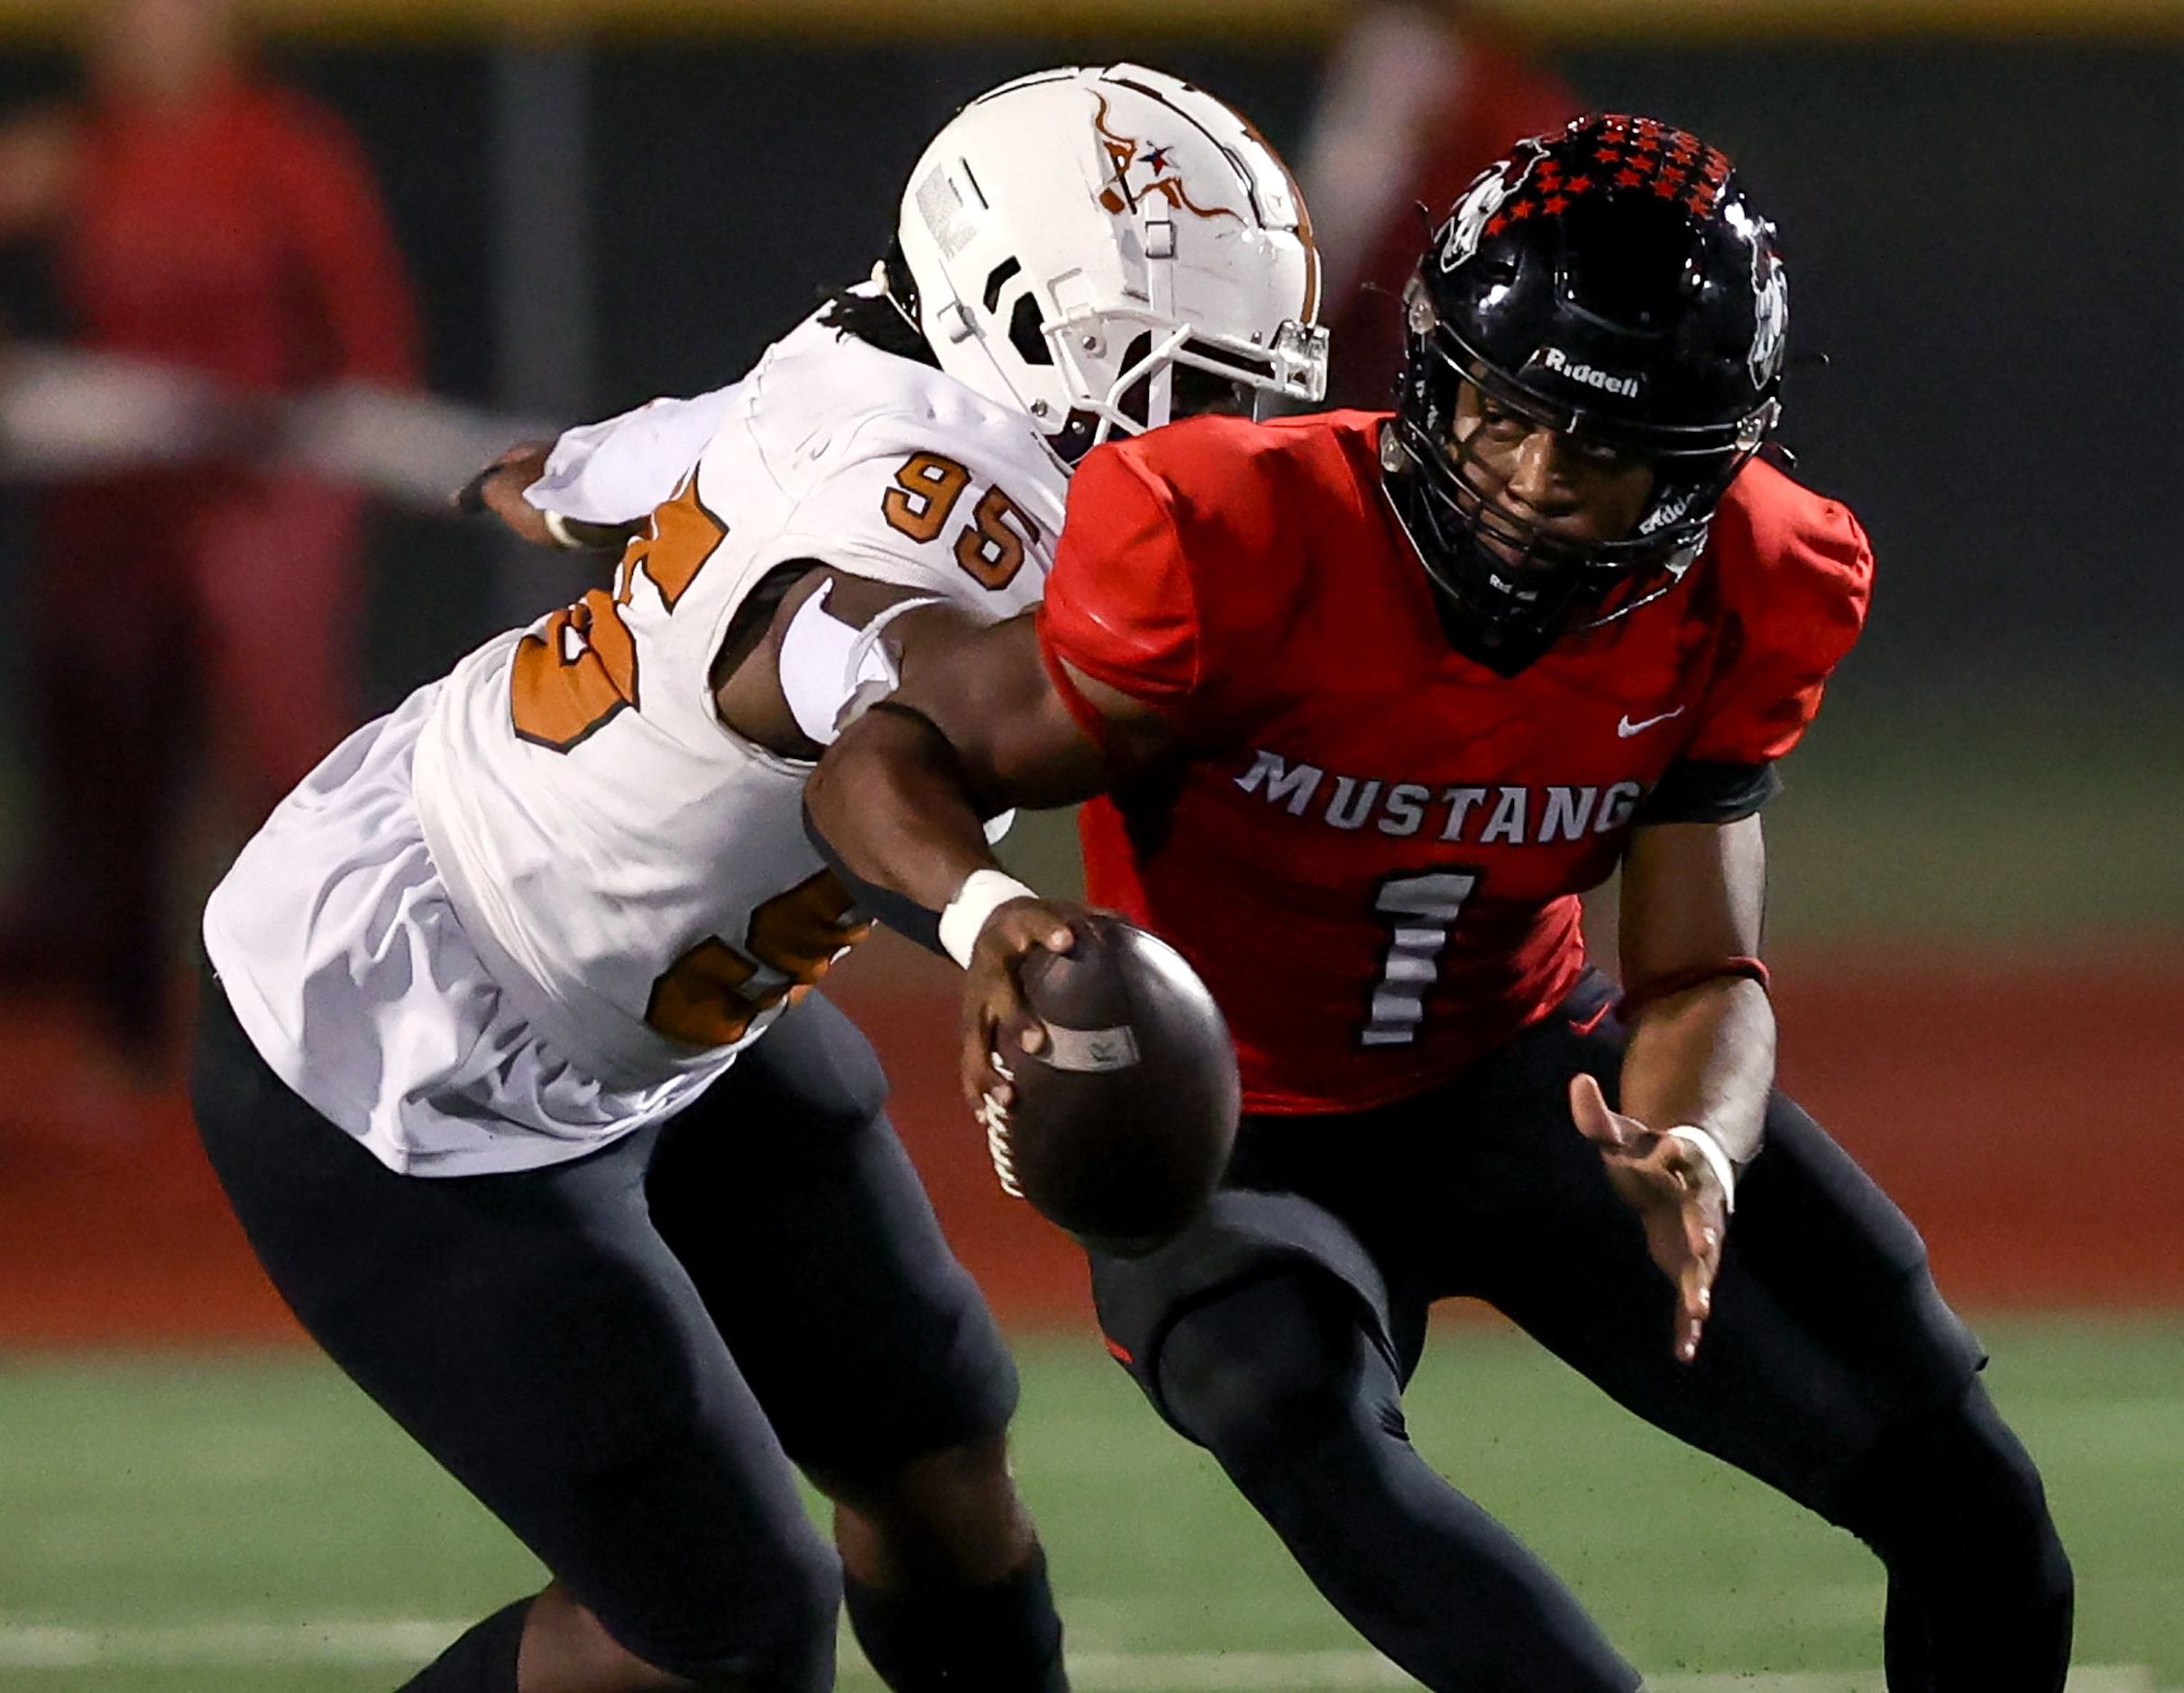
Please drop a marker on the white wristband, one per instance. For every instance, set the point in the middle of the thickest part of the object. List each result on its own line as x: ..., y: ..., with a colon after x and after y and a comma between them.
x: 557, y: 527
x: 1717, y: 1159
x: 975, y: 901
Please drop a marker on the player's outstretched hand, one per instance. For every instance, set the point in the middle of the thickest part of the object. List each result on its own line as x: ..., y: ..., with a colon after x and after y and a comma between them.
x: 499, y: 488
x: 1675, y: 1194
x: 993, y: 992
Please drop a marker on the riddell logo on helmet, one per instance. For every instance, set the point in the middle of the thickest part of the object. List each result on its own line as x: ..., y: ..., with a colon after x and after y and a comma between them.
x: 1588, y: 376
x: 1667, y: 512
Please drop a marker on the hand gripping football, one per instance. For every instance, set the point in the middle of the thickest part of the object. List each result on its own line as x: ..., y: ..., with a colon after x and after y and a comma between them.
x: 1123, y: 1122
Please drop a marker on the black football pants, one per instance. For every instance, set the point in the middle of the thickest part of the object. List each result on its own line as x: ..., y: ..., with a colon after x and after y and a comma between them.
x: 623, y: 1355
x: 1279, y: 1333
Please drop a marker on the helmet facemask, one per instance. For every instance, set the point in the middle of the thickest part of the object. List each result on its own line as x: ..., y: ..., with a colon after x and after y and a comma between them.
x: 1515, y: 586
x: 1183, y: 371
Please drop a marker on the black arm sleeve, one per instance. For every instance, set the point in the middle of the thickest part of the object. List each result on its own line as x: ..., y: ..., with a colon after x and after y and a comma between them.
x: 1695, y: 791
x: 903, y: 915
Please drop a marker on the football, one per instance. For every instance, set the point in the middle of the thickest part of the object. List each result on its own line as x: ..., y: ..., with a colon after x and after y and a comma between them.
x: 1124, y: 1119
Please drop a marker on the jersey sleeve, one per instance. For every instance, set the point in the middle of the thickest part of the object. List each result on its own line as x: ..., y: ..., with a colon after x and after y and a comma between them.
x: 937, y: 519
x: 1691, y: 791
x: 619, y: 470
x: 1121, y: 605
x: 1797, y: 575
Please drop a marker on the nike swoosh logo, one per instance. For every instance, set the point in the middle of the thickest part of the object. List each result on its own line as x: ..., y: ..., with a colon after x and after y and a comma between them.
x: 1627, y: 728
x: 1588, y: 1024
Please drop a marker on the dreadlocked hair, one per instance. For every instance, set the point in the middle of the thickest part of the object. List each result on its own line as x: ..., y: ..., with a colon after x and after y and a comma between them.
x: 881, y: 312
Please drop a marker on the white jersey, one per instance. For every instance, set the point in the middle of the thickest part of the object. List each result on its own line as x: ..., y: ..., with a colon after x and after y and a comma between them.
x: 549, y: 898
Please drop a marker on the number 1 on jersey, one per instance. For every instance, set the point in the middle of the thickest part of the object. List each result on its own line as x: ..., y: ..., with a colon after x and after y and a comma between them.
x: 1425, y: 908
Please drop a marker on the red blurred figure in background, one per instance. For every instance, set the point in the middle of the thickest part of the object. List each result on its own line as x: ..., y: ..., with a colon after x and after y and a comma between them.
x: 201, y: 216
x: 1421, y: 98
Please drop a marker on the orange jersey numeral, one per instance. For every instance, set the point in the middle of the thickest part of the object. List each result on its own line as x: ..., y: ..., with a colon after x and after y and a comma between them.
x: 571, y: 678
x: 709, y: 995
x: 925, y: 492
x: 674, y: 546
x: 990, y: 550
x: 567, y: 681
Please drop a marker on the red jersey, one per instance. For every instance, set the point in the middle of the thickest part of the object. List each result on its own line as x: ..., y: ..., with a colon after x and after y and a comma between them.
x: 1373, y: 849
x: 240, y: 236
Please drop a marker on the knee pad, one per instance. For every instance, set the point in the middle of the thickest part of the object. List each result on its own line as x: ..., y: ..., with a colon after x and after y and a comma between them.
x: 1259, y: 1370
x: 1956, y: 1489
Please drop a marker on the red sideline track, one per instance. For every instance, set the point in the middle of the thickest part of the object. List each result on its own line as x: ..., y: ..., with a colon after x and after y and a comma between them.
x: 2015, y: 1112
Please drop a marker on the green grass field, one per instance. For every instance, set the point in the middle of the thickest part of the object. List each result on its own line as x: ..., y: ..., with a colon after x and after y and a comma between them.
x: 246, y: 1523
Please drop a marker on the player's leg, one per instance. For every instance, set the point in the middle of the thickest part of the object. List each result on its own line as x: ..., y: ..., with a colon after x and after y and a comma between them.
x: 788, y: 1196
x: 934, y: 1595
x: 1830, y: 1368
x: 546, y: 1644
x: 1980, y: 1590
x: 1265, y: 1334
x: 533, y: 1333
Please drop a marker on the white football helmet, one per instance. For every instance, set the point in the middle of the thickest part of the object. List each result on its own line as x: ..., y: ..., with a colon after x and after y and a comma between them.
x: 1075, y: 236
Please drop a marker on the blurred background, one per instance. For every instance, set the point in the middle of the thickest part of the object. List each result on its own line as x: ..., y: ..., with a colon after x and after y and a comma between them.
x: 272, y: 284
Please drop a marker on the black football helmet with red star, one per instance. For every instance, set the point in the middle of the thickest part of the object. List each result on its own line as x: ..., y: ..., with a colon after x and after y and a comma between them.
x: 1614, y: 283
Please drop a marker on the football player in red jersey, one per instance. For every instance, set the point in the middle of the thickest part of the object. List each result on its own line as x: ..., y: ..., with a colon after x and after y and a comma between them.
x: 1361, y: 705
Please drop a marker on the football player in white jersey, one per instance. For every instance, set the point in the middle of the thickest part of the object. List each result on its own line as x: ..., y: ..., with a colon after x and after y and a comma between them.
x: 478, y: 1068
